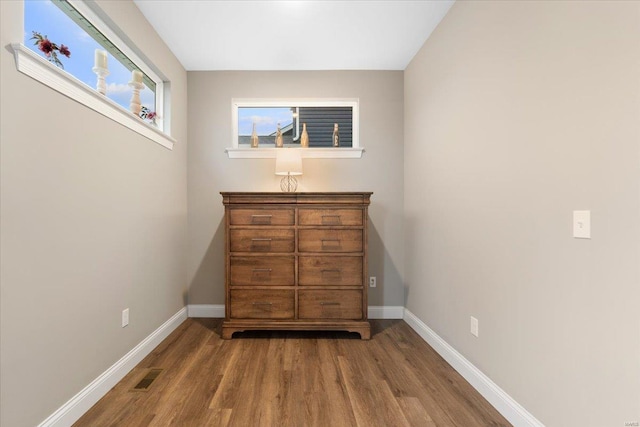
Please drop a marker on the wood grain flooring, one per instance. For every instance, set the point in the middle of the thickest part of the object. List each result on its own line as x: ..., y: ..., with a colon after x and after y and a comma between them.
x: 325, y: 379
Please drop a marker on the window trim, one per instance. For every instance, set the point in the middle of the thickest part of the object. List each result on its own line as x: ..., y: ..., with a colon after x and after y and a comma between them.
x: 38, y: 68
x: 237, y: 152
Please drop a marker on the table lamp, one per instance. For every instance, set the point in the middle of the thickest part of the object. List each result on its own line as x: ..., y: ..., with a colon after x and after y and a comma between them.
x: 288, y: 164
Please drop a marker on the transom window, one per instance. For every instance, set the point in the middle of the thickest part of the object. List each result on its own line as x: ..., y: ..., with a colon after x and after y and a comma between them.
x: 319, y: 117
x: 71, y: 40
x: 319, y: 122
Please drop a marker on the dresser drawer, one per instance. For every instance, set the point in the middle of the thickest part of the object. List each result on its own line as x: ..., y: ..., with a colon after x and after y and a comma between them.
x: 262, y: 304
x: 323, y: 240
x: 330, y: 270
x: 256, y: 240
x: 319, y: 304
x: 261, y: 216
x: 262, y: 270
x: 330, y: 216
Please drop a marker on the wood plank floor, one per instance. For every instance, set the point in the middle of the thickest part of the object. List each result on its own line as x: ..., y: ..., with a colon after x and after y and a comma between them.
x: 326, y: 379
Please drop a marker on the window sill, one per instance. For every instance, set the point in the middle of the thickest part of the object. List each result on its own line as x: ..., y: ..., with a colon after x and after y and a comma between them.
x: 318, y: 153
x: 31, y: 64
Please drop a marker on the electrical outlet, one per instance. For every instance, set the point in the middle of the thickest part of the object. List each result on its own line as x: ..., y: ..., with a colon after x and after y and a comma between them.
x: 582, y: 224
x: 474, y: 326
x: 125, y: 317
x: 372, y: 281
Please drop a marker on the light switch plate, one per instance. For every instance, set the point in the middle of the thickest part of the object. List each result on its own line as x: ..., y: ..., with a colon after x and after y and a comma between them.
x: 474, y: 326
x: 582, y: 224
x: 125, y: 317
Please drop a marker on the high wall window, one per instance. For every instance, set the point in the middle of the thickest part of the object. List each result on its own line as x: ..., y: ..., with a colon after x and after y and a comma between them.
x: 63, y: 24
x: 318, y: 121
x: 67, y: 45
x: 322, y: 119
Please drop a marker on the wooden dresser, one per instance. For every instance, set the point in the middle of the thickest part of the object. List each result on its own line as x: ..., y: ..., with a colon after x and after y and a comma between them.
x: 296, y: 261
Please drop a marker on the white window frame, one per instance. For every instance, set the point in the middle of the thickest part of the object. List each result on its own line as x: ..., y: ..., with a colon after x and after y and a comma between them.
x: 33, y: 65
x: 237, y: 152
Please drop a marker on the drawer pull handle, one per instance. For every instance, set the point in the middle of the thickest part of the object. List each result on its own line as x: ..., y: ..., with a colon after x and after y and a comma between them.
x: 333, y: 270
x: 330, y: 243
x: 334, y: 219
x: 261, y: 219
x: 260, y: 240
x: 329, y: 303
x: 262, y: 303
x: 268, y: 270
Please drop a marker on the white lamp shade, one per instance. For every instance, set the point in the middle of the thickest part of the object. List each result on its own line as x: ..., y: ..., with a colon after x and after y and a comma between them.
x: 288, y: 161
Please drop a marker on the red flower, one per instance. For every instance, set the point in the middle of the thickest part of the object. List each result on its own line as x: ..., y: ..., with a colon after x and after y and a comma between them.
x: 45, y: 46
x: 64, y: 50
x: 49, y: 49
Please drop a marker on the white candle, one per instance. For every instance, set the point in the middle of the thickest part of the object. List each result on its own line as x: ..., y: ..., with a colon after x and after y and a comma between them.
x: 136, y: 76
x: 101, y: 59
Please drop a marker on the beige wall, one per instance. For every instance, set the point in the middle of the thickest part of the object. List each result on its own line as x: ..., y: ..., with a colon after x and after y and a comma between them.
x: 516, y: 114
x: 93, y: 220
x: 211, y: 171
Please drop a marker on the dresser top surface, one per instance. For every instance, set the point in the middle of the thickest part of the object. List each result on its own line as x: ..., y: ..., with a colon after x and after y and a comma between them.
x: 346, y: 197
x: 306, y: 193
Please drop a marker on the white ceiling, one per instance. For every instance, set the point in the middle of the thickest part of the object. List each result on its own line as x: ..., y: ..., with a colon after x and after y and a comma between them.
x: 294, y: 35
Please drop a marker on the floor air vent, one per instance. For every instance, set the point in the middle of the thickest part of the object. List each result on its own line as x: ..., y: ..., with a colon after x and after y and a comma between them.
x: 148, y: 379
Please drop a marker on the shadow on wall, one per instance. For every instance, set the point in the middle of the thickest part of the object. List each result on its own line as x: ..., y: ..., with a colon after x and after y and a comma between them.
x: 207, y: 286
x: 389, y: 289
x: 185, y: 298
x: 411, y: 260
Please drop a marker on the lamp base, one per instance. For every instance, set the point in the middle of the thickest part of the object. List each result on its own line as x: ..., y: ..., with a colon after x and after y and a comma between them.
x: 288, y: 184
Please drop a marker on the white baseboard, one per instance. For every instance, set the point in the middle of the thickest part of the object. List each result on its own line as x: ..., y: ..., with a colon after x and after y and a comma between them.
x: 217, y: 311
x: 206, y: 310
x: 386, y: 312
x: 71, y: 411
x: 505, y: 404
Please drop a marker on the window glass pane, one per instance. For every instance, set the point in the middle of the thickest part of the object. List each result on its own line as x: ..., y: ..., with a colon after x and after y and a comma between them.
x: 49, y: 19
x: 319, y: 120
x: 267, y: 120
